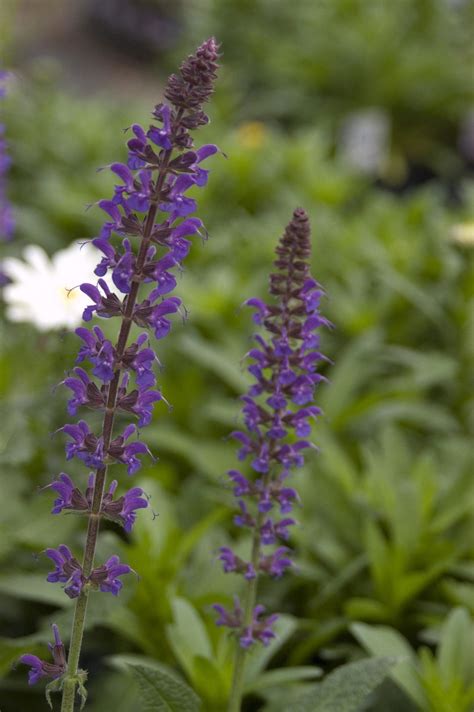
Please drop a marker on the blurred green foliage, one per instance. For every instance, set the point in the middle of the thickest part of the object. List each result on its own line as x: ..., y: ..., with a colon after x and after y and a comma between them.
x: 385, y: 547
x: 311, y: 63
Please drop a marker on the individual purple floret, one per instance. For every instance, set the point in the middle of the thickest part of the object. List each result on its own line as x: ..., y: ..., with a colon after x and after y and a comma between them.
x: 277, y: 412
x: 41, y: 668
x: 123, y: 509
x: 67, y: 570
x: 106, y: 576
x: 259, y: 629
x: 69, y: 496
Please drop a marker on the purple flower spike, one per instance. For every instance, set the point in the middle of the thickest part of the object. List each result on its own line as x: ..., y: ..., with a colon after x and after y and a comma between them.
x: 277, y: 412
x: 140, y: 252
x: 41, y: 668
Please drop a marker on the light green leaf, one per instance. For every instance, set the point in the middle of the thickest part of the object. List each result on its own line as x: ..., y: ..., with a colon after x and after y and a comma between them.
x: 11, y: 650
x: 283, y: 676
x: 187, y: 635
x: 34, y: 587
x: 219, y: 360
x: 162, y: 693
x: 456, y: 648
x: 381, y: 640
x: 345, y: 689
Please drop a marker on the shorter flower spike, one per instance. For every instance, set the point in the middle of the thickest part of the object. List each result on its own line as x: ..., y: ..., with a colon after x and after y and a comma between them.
x: 41, y: 668
x: 277, y: 413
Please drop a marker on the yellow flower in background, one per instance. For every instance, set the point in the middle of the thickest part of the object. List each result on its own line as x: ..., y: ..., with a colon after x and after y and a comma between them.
x: 252, y: 134
x: 463, y: 233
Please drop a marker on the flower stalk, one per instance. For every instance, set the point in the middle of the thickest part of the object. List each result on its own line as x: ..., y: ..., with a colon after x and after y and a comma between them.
x: 162, y: 166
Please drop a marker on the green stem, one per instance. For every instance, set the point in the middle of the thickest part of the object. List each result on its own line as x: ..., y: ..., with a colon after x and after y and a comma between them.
x: 70, y: 682
x: 250, y: 599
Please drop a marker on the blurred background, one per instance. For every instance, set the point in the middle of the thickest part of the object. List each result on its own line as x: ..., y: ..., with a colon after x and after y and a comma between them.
x: 361, y: 111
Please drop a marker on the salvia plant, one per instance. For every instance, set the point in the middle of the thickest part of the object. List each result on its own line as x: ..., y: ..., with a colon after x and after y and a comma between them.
x: 143, y: 243
x: 277, y: 412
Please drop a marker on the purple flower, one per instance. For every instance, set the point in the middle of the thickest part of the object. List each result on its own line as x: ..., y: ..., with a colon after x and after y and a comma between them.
x: 106, y: 576
x: 277, y: 412
x: 127, y: 454
x: 233, y: 563
x: 140, y: 360
x: 259, y: 630
x: 124, y: 270
x: 84, y: 392
x: 123, y: 509
x: 69, y: 496
x: 244, y: 519
x: 231, y: 619
x: 272, y: 531
x: 106, y: 305
x: 41, y: 668
x: 162, y: 137
x: 84, y: 444
x: 99, y: 351
x: 242, y: 485
x: 275, y: 564
x: 67, y: 570
x: 144, y: 406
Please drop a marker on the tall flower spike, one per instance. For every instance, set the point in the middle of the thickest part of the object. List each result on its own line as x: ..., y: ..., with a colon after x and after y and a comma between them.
x: 277, y: 414
x: 142, y: 244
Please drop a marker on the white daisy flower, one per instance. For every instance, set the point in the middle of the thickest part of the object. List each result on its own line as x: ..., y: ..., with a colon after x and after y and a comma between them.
x: 45, y: 291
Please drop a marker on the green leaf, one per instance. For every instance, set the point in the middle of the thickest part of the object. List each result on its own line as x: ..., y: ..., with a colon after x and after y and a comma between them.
x: 12, y: 649
x: 33, y: 587
x: 219, y: 360
x: 345, y: 689
x: 211, y: 681
x: 456, y: 648
x: 162, y: 693
x: 381, y: 640
x: 187, y: 635
x: 283, y: 676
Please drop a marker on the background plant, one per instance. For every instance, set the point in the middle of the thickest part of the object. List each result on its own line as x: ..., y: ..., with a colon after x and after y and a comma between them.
x: 397, y: 411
